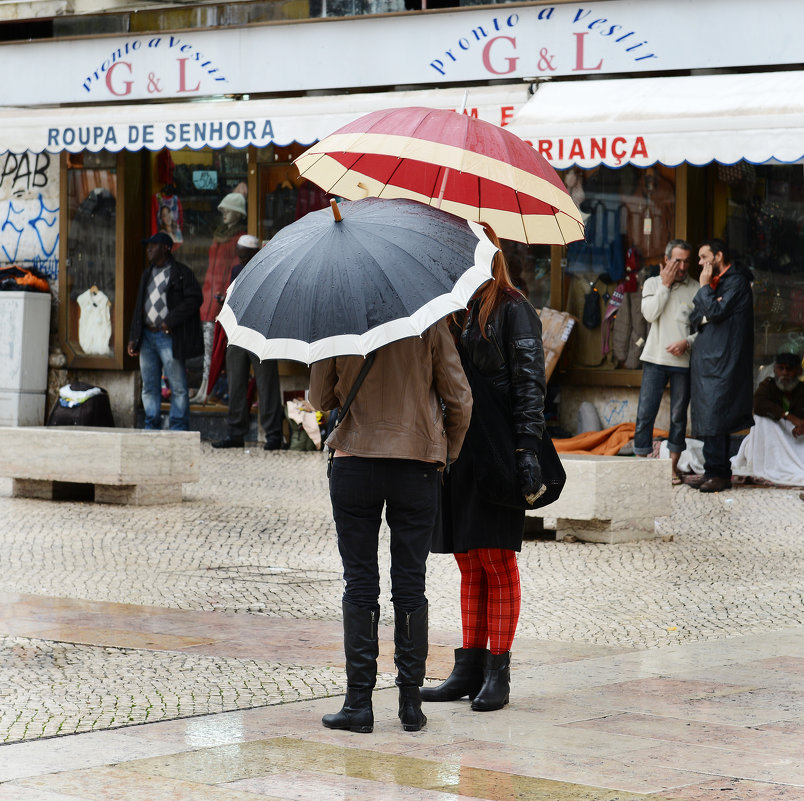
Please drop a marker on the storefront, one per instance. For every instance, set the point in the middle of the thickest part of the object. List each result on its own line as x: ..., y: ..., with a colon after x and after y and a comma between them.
x: 104, y: 179
x: 651, y: 159
x: 156, y: 129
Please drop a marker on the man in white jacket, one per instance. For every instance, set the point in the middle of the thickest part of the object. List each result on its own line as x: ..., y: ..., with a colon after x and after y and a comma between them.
x: 666, y: 305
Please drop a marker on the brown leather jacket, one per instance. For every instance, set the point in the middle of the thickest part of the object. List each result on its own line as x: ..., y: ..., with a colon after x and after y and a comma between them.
x: 396, y: 413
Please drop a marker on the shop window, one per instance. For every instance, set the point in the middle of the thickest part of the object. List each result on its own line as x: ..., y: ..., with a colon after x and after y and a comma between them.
x: 529, y: 266
x: 630, y: 215
x: 200, y: 199
x: 284, y: 196
x: 762, y: 220
x: 88, y: 280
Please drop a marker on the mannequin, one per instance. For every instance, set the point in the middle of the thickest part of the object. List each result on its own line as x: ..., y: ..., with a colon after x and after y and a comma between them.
x: 222, y: 257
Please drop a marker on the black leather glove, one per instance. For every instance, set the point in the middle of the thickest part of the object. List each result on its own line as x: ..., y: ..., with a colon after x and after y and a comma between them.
x: 529, y: 472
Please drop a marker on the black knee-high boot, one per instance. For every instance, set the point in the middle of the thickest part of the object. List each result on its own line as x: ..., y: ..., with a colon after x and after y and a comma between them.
x: 466, y: 677
x: 361, y: 648
x: 410, y: 658
x: 496, y: 683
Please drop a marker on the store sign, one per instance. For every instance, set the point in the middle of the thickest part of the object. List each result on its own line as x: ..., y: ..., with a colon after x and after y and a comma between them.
x: 589, y: 151
x: 520, y: 43
x: 258, y: 123
x: 154, y: 136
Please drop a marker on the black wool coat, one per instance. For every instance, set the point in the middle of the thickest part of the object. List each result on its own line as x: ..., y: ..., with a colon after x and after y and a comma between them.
x: 184, y: 299
x: 511, y: 360
x: 722, y: 357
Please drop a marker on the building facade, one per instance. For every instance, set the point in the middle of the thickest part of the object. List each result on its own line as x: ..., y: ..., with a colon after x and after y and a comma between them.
x: 660, y: 127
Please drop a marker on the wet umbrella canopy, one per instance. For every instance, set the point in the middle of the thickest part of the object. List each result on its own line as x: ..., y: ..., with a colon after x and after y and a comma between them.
x: 324, y: 287
x: 454, y: 162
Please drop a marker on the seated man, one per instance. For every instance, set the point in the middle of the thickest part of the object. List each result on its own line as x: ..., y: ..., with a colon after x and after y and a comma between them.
x: 774, y: 450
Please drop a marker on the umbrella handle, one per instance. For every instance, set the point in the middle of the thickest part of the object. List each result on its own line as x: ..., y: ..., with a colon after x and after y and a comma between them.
x: 336, y: 212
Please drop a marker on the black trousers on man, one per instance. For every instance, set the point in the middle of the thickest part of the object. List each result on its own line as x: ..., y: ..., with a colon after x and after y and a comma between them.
x: 716, y: 456
x: 238, y: 361
x: 359, y: 488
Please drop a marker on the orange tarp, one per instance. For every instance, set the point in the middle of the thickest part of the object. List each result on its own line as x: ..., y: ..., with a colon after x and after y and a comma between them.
x: 605, y: 443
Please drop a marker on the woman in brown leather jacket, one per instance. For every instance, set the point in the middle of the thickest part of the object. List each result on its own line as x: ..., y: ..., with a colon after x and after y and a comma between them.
x: 389, y: 451
x: 500, y: 344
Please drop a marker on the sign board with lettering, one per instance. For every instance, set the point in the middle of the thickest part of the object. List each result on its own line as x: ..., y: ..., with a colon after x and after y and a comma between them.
x: 503, y: 42
x: 695, y: 119
x: 215, y: 124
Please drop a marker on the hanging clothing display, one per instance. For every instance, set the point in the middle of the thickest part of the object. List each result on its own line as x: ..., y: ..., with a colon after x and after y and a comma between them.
x: 222, y: 257
x: 94, y: 322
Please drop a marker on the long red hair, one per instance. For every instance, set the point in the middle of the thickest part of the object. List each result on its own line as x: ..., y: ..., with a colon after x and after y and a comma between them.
x: 490, y: 295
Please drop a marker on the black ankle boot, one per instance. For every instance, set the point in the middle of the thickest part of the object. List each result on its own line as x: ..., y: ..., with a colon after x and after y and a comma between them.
x: 410, y: 658
x: 361, y: 648
x: 496, y: 683
x: 357, y: 713
x: 466, y: 677
x: 410, y: 709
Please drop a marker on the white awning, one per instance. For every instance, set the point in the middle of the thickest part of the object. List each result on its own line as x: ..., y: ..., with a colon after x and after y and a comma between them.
x: 219, y: 123
x: 698, y: 119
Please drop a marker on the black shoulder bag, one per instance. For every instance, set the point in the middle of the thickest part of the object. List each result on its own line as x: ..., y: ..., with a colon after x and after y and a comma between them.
x: 369, y: 360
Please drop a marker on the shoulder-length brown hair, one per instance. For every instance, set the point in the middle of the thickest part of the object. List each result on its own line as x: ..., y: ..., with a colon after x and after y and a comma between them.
x: 490, y: 295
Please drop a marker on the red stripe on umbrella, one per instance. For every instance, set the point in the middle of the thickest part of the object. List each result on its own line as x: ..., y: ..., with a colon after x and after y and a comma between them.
x: 449, y: 160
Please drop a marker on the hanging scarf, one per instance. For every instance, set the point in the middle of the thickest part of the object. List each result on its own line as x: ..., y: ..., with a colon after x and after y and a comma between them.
x: 223, y: 233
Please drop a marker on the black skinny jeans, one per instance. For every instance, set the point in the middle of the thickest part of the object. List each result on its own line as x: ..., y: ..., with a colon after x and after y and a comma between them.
x: 359, y: 487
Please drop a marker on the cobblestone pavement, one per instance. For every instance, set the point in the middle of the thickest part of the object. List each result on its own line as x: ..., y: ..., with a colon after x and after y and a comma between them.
x: 255, y: 538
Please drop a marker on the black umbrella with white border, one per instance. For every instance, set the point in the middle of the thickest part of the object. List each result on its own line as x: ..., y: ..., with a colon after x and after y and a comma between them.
x: 353, y: 278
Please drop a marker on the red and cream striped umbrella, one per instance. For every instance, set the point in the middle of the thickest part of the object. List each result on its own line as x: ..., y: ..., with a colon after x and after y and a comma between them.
x: 463, y: 165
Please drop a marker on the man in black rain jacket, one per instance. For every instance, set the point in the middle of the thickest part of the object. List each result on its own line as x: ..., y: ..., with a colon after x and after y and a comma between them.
x: 721, y: 363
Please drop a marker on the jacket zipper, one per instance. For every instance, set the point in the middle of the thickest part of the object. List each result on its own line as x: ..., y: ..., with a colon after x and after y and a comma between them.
x: 496, y: 344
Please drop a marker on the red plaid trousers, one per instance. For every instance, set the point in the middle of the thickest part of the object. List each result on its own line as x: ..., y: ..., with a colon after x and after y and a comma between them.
x: 490, y: 598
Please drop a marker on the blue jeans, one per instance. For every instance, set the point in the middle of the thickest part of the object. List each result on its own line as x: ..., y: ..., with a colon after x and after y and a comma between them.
x: 359, y: 488
x: 156, y: 357
x: 654, y: 380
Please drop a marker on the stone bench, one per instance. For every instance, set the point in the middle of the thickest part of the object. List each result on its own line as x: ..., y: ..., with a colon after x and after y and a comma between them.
x: 610, y: 499
x: 123, y: 465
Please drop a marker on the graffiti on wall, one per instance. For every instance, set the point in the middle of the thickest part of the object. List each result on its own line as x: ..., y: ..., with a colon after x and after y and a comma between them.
x: 29, y: 211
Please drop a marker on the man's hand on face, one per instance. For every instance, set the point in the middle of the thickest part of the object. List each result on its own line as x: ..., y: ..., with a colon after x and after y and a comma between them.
x: 669, y: 272
x: 707, y: 261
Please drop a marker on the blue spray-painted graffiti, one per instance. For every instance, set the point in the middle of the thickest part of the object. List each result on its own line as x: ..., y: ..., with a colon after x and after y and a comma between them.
x: 29, y: 212
x: 614, y: 412
x: 29, y: 234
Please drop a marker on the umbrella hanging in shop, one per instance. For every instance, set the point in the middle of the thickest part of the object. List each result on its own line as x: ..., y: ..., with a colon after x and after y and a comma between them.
x: 457, y: 163
x: 353, y: 278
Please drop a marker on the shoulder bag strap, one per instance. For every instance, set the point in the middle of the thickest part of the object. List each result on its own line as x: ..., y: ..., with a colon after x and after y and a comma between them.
x: 369, y: 360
